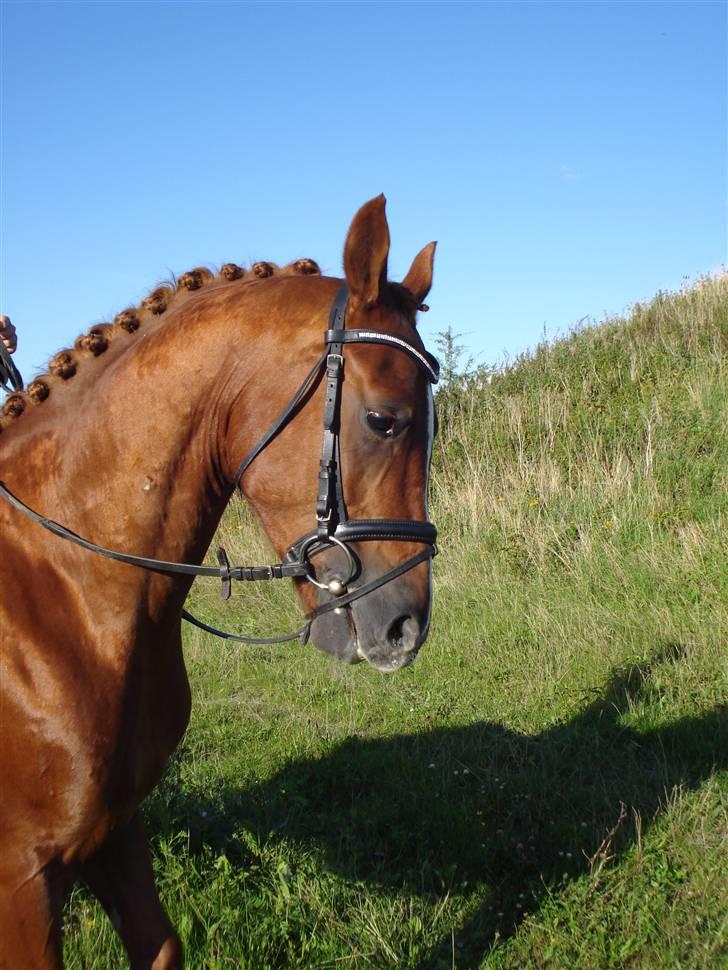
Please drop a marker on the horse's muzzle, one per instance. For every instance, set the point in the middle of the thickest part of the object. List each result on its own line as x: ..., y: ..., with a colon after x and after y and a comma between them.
x: 386, y: 628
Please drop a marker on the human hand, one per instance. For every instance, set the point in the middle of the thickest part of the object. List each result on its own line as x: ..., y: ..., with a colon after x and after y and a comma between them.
x: 7, y: 333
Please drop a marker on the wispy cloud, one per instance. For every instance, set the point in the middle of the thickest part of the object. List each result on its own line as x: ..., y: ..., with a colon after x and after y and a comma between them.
x: 570, y: 174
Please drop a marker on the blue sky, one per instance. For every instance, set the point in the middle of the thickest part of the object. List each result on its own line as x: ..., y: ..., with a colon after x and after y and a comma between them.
x: 570, y: 158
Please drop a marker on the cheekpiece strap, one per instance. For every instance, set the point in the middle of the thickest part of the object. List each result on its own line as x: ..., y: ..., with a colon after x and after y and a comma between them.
x: 328, y: 465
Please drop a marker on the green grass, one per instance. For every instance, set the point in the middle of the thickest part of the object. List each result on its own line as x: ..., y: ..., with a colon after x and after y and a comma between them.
x: 548, y: 785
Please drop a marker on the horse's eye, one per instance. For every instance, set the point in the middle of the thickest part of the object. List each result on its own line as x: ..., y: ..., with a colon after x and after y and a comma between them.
x: 381, y: 423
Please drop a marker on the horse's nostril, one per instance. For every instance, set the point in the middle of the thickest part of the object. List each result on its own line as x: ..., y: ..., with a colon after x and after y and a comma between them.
x: 403, y: 632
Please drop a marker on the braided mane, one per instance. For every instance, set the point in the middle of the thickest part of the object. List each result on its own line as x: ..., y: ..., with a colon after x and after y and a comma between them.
x: 65, y: 364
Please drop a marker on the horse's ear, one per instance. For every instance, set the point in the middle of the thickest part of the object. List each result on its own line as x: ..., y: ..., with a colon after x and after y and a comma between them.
x: 366, y: 251
x: 419, y: 278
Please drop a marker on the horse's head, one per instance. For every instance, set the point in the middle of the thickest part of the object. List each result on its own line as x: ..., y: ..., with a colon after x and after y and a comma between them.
x: 378, y: 446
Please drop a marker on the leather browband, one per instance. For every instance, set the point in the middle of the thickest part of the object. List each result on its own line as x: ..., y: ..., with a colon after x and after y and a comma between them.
x: 426, y: 361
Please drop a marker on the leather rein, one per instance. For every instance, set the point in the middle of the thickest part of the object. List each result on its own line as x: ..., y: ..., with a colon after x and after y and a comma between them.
x: 333, y: 527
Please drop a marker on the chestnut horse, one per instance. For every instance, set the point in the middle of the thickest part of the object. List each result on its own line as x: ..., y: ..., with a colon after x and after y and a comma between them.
x: 132, y: 441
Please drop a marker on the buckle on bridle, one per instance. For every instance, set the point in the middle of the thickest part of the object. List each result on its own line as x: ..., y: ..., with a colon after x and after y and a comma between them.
x: 225, y: 577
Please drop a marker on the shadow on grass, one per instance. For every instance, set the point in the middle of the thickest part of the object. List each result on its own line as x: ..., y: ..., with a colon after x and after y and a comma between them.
x: 456, y: 808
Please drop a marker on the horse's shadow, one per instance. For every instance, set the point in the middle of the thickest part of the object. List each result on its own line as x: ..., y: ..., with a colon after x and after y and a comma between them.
x: 476, y: 805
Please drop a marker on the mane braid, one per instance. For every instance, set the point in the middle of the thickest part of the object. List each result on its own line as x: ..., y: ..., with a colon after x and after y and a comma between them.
x: 64, y: 365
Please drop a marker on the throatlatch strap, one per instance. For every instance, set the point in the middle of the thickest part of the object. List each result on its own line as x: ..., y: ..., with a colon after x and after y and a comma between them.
x: 282, y: 419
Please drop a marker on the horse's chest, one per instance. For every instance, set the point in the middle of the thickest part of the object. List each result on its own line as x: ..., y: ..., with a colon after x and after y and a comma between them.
x: 85, y: 742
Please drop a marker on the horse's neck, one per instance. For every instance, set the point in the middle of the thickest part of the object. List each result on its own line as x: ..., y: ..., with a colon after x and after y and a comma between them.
x: 131, y: 458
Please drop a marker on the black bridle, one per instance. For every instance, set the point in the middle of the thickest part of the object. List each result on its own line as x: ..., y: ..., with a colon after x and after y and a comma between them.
x: 333, y: 528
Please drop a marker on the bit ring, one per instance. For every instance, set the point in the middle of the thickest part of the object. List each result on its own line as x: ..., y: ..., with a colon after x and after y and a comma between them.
x: 331, y: 541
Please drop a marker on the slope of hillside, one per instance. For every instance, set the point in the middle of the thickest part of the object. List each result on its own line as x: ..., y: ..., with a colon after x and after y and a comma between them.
x: 595, y: 471
x: 547, y: 786
x: 629, y: 410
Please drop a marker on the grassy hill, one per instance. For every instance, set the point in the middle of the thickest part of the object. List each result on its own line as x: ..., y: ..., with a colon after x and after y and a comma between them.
x: 547, y: 786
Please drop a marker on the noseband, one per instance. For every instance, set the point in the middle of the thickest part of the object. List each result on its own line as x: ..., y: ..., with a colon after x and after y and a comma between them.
x: 333, y: 527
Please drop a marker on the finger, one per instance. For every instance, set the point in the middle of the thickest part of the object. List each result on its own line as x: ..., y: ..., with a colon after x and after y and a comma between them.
x: 7, y: 333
